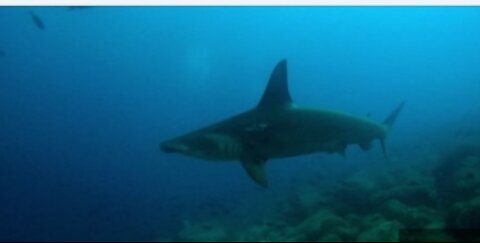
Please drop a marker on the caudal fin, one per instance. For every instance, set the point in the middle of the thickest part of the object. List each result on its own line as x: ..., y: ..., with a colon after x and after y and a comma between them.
x: 388, y: 123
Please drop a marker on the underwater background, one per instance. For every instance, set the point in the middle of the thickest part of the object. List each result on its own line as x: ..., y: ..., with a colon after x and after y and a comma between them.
x: 88, y: 94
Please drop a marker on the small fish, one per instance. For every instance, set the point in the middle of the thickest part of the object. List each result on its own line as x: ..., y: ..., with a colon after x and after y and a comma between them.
x: 37, y: 21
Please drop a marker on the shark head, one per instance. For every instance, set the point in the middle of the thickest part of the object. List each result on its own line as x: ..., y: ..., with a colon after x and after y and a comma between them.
x: 209, y: 146
x: 194, y: 146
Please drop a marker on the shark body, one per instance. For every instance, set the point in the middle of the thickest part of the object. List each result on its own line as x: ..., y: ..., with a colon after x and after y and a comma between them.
x: 277, y: 128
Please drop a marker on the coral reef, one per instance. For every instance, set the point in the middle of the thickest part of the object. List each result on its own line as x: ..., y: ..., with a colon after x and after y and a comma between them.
x: 458, y: 175
x: 466, y: 215
x: 380, y: 230
x: 203, y: 232
x: 369, y: 206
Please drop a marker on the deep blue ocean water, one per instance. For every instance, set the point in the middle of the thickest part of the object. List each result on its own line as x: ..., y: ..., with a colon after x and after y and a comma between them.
x: 85, y: 103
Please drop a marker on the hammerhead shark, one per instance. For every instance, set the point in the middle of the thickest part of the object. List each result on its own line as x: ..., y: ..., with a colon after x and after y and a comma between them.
x: 277, y: 128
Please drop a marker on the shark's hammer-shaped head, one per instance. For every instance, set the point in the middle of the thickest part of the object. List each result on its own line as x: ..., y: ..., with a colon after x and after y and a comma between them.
x: 203, y: 145
x: 195, y: 145
x: 174, y: 146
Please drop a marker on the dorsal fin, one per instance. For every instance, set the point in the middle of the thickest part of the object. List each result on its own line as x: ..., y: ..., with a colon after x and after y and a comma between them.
x: 276, y: 93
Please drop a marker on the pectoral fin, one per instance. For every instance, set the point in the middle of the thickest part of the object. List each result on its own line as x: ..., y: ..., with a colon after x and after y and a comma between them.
x: 255, y: 167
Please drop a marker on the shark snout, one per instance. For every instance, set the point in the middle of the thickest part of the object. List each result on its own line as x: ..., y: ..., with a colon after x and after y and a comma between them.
x: 167, y: 148
x: 173, y: 147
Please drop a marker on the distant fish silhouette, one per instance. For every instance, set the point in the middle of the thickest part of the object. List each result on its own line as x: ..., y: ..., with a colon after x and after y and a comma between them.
x: 70, y: 8
x: 2, y: 53
x: 37, y: 21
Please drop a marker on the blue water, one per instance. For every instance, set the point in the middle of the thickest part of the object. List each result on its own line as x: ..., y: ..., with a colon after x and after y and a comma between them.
x: 85, y: 103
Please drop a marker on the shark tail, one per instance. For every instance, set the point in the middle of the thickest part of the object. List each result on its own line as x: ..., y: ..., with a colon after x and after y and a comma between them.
x: 388, y: 123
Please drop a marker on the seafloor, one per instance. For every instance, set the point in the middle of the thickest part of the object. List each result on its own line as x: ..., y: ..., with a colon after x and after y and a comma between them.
x: 430, y: 198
